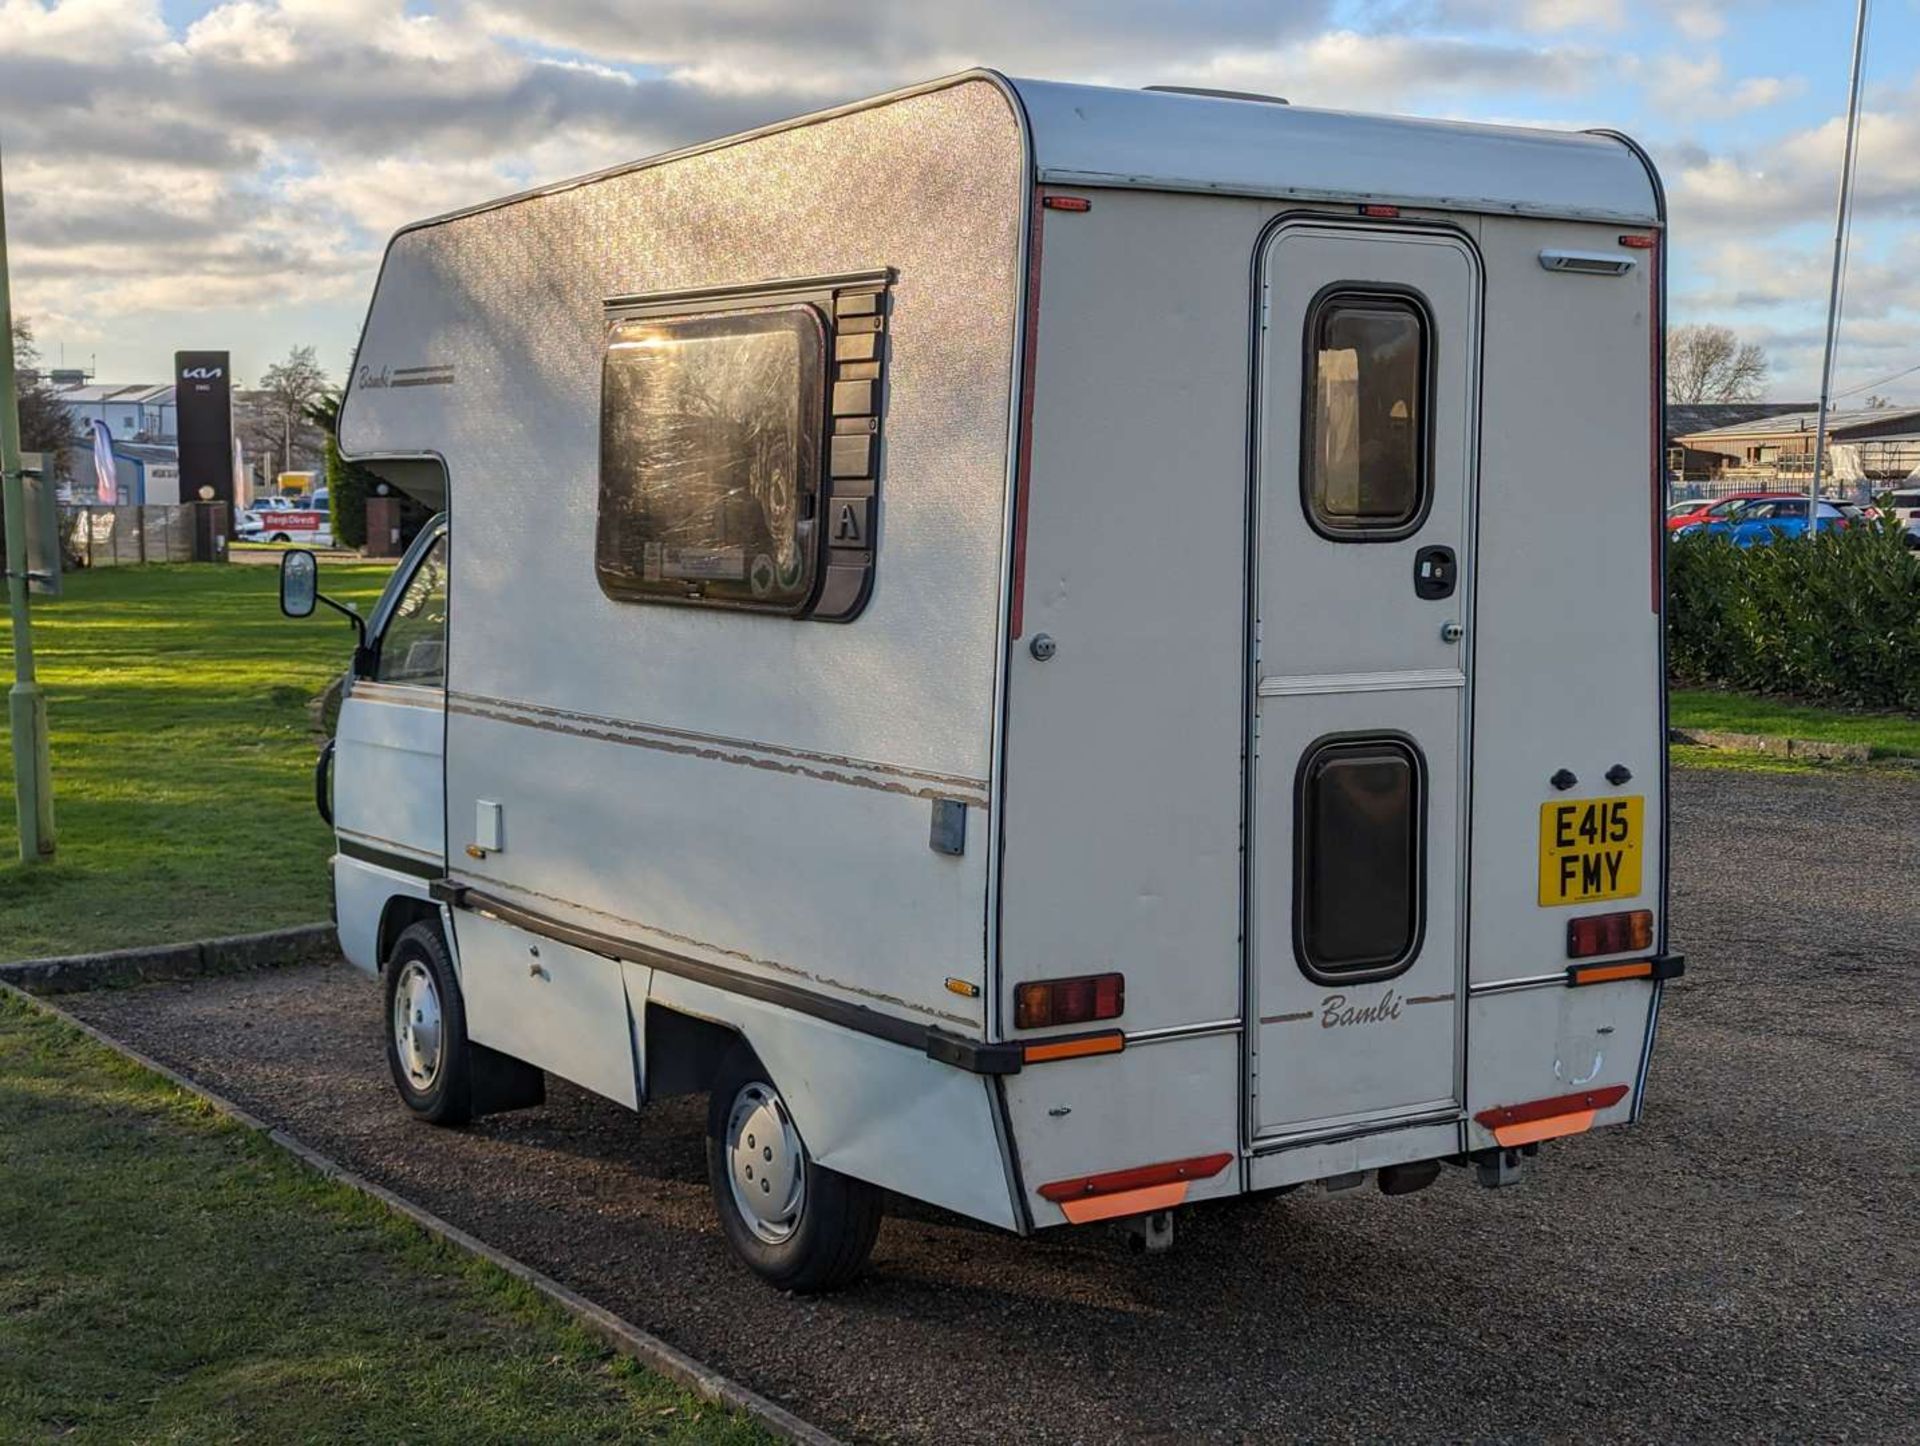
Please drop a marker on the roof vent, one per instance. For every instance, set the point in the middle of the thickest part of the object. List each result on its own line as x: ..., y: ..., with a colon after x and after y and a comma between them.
x: 1218, y: 94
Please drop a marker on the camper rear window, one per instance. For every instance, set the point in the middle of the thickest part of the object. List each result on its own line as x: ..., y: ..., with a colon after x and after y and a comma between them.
x: 1358, y: 858
x: 710, y: 443
x: 1364, y: 471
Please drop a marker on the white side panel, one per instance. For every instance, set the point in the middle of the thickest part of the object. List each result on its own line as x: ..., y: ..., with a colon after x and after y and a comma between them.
x: 361, y: 892
x: 826, y: 884
x: 877, y: 1111
x: 386, y: 770
x: 549, y: 1004
x: 1149, y: 1105
x: 688, y: 769
x: 1567, y: 671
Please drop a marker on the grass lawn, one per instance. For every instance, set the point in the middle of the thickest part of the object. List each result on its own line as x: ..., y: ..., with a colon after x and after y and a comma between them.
x: 182, y: 761
x: 166, y: 1275
x: 1889, y: 735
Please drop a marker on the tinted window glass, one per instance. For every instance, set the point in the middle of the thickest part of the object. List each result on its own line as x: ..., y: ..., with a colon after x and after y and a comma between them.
x: 413, y: 646
x: 1359, y: 866
x: 1365, y: 461
x: 710, y: 440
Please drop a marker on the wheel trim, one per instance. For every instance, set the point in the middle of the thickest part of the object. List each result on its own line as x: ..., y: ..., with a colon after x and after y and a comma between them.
x: 766, y: 1163
x: 417, y: 1033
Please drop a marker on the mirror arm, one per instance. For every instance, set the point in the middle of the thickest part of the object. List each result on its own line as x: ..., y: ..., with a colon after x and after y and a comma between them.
x: 359, y: 623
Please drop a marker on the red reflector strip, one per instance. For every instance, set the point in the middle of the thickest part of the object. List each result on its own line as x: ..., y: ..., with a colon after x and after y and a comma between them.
x: 1610, y: 934
x: 1200, y: 1167
x: 1638, y: 243
x: 1386, y: 211
x: 1042, y: 1050
x: 1514, y: 1125
x: 1066, y: 203
x: 1607, y: 973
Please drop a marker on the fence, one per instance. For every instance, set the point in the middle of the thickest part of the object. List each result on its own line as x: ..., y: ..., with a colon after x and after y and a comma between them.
x: 126, y: 536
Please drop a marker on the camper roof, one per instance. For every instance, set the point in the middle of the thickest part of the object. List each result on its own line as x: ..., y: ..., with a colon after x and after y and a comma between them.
x: 1090, y: 135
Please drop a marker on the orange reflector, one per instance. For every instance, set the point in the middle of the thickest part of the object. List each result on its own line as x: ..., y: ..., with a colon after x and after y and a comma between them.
x: 1545, y: 1119
x: 963, y: 987
x: 1042, y: 1050
x: 1387, y: 211
x: 1609, y: 933
x: 1131, y: 1192
x: 1066, y: 203
x: 1638, y: 242
x: 1607, y: 973
x: 1080, y: 1000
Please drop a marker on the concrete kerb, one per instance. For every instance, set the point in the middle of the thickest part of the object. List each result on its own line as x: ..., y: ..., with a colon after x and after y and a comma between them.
x: 620, y: 1334
x: 1771, y: 745
x: 149, y: 964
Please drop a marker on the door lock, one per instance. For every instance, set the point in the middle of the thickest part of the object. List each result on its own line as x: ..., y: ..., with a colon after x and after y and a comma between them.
x: 1451, y: 632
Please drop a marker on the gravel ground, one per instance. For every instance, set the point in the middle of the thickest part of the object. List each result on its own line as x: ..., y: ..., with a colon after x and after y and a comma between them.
x: 1743, y: 1265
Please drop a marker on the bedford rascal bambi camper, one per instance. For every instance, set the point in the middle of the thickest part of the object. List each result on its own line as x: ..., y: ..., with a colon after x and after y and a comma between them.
x: 1062, y: 652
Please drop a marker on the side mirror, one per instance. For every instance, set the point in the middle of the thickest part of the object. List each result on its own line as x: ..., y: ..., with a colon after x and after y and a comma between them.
x: 299, y: 583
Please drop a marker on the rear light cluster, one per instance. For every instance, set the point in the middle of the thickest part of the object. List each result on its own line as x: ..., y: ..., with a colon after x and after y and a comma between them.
x: 1080, y: 1000
x: 1609, y: 934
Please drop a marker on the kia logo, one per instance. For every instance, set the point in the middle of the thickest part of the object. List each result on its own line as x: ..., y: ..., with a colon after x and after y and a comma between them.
x: 201, y: 374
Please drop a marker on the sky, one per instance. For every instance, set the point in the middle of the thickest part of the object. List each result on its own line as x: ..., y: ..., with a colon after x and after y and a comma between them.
x: 223, y: 174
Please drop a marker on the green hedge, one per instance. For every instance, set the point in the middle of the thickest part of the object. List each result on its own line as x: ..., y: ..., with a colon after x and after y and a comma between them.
x: 1835, y: 617
x: 347, y: 489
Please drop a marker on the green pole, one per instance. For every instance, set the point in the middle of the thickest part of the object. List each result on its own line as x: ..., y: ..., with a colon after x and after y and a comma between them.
x: 26, y: 704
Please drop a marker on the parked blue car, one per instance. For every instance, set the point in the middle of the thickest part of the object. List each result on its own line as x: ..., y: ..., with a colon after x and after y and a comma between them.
x: 1767, y: 518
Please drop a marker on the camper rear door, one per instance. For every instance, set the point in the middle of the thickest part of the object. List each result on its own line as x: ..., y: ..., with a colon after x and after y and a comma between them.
x: 1367, y: 401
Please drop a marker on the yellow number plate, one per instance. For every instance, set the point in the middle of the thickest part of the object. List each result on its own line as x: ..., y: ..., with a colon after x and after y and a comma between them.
x: 1590, y: 849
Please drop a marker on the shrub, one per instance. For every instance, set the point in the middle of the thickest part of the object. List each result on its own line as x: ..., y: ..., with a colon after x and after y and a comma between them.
x: 347, y: 487
x: 1834, y: 617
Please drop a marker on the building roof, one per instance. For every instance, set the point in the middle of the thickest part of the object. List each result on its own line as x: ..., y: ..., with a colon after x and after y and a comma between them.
x: 149, y: 393
x: 1687, y: 419
x: 1789, y: 424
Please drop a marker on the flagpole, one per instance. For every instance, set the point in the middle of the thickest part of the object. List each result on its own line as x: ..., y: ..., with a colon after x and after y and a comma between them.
x: 26, y: 704
x: 1839, y: 266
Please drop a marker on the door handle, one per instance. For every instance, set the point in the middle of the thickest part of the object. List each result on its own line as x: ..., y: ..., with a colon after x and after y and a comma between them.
x: 1436, y: 572
x: 322, y: 767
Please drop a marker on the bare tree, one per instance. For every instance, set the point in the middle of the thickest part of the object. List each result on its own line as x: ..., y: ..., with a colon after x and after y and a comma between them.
x: 1708, y: 363
x: 1877, y: 403
x: 45, y: 423
x: 280, y: 422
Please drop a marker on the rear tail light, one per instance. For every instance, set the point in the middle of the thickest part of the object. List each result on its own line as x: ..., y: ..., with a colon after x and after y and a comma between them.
x: 1609, y: 934
x: 1086, y: 997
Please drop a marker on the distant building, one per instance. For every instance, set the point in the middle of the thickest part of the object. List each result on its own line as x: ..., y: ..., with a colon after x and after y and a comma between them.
x: 1875, y: 445
x: 133, y: 412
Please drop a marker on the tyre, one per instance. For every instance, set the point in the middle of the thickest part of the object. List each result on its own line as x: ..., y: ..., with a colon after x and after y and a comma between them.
x: 427, y: 1028
x: 802, y: 1227
x: 280, y: 537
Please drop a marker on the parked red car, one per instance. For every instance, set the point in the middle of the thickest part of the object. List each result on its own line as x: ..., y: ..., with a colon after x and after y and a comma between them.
x: 1715, y: 509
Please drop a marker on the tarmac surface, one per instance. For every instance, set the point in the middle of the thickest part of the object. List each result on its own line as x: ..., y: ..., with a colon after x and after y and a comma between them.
x: 1743, y: 1265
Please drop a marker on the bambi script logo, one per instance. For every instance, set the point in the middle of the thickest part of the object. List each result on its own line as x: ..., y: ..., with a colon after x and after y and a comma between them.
x: 1337, y: 1013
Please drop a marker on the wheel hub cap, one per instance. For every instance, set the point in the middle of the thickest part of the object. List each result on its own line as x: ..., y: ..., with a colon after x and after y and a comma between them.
x: 416, y: 1024
x: 766, y: 1163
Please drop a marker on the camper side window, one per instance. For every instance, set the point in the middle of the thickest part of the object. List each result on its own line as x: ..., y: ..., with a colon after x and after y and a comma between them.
x: 1358, y: 858
x: 710, y: 446
x: 1363, y: 473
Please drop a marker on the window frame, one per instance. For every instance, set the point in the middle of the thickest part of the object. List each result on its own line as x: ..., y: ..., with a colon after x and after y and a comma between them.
x: 826, y: 599
x: 1407, y: 748
x: 368, y: 667
x: 1324, y: 300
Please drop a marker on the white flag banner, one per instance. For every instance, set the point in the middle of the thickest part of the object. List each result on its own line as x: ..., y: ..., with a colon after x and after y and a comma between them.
x: 106, y: 475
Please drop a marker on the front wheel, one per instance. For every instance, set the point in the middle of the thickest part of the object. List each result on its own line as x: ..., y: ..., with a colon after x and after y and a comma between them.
x: 427, y: 1029
x: 802, y: 1227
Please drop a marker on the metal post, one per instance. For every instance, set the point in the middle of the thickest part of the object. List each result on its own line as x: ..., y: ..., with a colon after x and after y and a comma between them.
x: 1839, y: 267
x: 26, y: 704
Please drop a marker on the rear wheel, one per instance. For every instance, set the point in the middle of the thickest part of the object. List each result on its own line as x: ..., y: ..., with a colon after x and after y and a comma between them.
x: 427, y: 1028
x: 801, y: 1226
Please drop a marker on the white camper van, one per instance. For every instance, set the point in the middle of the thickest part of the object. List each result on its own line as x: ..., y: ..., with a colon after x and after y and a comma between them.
x: 1062, y: 652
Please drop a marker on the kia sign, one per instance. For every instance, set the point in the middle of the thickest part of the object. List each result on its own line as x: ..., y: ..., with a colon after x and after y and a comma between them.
x: 202, y: 385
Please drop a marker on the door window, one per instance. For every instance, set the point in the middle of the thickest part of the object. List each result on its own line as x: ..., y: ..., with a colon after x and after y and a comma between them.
x: 1359, y: 819
x: 413, y: 647
x: 1364, y: 472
